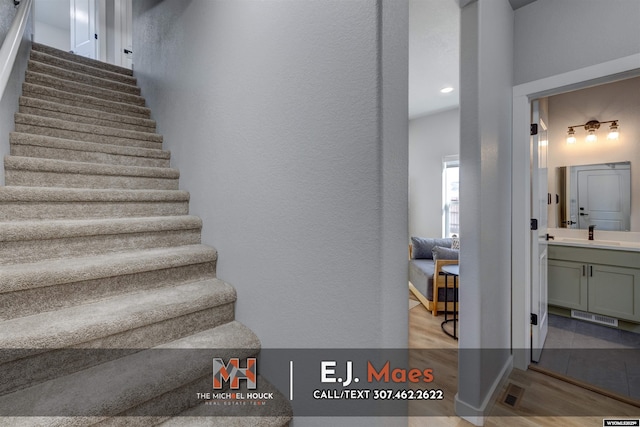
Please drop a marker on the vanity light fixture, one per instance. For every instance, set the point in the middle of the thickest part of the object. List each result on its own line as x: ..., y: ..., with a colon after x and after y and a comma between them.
x: 591, y: 127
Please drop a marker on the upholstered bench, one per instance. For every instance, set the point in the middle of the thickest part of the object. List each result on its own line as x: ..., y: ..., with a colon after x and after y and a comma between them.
x: 426, y: 258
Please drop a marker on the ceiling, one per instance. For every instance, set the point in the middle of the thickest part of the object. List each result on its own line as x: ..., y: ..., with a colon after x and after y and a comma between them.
x: 434, y: 51
x: 434, y: 54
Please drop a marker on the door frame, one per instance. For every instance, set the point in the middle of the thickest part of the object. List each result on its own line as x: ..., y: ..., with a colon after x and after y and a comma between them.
x: 606, y: 72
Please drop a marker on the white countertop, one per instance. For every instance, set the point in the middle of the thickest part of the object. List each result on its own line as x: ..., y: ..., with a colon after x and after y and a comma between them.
x: 620, y: 241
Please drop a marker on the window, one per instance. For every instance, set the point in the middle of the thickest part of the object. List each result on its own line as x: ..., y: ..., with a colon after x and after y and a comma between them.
x: 450, y: 194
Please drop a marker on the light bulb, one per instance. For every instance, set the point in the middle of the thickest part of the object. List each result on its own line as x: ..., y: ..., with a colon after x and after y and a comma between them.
x: 613, y: 131
x: 571, y: 136
x: 592, y: 136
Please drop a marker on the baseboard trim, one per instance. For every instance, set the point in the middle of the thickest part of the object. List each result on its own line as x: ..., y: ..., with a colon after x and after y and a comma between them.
x: 476, y: 415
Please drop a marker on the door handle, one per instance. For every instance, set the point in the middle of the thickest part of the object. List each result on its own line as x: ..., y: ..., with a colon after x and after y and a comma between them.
x: 549, y: 237
x: 127, y: 51
x: 584, y: 270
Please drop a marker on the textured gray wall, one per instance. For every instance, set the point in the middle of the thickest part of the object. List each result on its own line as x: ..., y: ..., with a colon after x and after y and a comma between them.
x: 554, y: 37
x: 485, y: 198
x: 288, y: 121
x: 9, y: 101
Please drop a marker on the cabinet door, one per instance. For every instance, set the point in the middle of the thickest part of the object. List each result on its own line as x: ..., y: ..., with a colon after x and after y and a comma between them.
x: 614, y: 291
x: 568, y: 284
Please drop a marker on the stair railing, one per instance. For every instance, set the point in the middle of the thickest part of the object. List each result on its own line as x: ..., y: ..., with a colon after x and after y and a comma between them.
x: 11, y: 44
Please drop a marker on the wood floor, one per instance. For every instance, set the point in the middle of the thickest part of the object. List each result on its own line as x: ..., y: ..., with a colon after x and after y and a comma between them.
x: 542, y: 394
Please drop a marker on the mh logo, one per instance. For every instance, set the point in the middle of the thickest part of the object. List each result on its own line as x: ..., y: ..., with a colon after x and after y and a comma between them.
x: 233, y: 372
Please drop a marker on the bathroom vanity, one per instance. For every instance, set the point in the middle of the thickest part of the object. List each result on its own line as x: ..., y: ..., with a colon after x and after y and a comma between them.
x: 596, y: 276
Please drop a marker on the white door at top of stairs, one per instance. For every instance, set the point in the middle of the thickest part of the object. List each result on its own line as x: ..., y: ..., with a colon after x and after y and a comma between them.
x: 83, y: 27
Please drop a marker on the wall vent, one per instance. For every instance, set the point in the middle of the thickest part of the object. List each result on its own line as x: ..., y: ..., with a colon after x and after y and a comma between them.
x: 596, y: 318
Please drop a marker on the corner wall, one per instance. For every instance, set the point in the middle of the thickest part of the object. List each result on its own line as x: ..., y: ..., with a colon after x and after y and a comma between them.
x: 9, y: 101
x: 485, y: 194
x: 288, y: 122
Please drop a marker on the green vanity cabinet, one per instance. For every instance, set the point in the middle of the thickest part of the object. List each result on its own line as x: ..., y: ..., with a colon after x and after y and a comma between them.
x: 567, y: 284
x: 615, y: 291
x: 596, y: 280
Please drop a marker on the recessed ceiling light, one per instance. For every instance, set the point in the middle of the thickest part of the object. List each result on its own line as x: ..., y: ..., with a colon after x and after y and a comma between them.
x: 446, y: 89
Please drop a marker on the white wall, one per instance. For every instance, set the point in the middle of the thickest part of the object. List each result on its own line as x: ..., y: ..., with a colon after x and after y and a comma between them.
x: 485, y: 194
x: 554, y: 37
x: 288, y: 122
x: 618, y: 100
x: 52, y: 36
x: 431, y: 138
x: 52, y: 23
x: 9, y: 101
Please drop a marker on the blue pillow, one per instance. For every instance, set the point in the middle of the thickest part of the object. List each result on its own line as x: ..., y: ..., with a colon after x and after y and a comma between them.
x: 423, y: 247
x: 445, y: 253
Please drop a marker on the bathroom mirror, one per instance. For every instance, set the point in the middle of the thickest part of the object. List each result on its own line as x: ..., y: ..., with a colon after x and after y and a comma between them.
x: 598, y: 194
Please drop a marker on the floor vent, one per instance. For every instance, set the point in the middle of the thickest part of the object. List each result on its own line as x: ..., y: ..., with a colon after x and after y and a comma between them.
x: 512, y: 395
x: 596, y: 318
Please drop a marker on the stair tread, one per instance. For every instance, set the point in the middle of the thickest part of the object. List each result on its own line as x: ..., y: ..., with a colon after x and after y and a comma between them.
x: 81, y: 77
x: 89, y: 113
x: 277, y: 413
x: 86, y: 101
x: 57, y: 61
x: 30, y: 119
x: 22, y: 138
x: 65, y: 228
x: 75, y: 325
x: 62, y: 166
x: 80, y: 59
x: 61, y: 194
x: 64, y: 85
x: 122, y: 384
x: 16, y: 277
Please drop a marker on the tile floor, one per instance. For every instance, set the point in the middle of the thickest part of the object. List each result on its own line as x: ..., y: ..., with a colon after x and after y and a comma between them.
x: 605, y: 357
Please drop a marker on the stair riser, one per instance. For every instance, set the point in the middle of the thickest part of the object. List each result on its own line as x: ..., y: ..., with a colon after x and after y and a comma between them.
x: 85, y: 156
x: 82, y: 89
x: 75, y: 100
x: 33, y: 301
x: 87, y: 137
x: 23, y: 211
x: 60, y: 73
x: 74, y: 180
x: 86, y: 120
x: 80, y: 68
x: 80, y: 59
x: 32, y: 370
x: 38, y: 250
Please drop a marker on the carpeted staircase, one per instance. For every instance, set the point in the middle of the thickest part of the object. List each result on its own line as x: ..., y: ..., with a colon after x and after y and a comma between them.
x: 98, y: 251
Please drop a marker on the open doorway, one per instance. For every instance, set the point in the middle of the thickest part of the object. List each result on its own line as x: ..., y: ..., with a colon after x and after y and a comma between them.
x: 98, y: 29
x: 593, y: 317
x: 599, y: 284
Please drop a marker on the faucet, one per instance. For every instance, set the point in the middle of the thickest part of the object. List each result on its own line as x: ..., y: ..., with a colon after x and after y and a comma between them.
x: 591, y: 227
